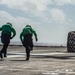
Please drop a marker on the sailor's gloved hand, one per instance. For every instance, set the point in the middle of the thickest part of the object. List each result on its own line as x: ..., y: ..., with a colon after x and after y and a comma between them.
x: 11, y: 37
x: 36, y: 39
x: 23, y: 43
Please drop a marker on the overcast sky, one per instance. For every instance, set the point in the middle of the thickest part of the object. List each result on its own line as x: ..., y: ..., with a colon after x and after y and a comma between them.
x: 51, y: 19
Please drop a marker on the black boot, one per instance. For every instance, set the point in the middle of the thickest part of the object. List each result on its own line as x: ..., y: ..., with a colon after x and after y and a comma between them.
x: 5, y: 55
x: 1, y: 55
x: 27, y: 58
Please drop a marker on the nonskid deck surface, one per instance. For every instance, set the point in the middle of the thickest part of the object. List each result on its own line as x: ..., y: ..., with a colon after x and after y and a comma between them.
x: 53, y: 61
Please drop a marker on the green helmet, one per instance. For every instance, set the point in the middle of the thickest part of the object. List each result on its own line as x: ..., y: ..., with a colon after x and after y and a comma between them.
x: 9, y: 24
x: 28, y: 25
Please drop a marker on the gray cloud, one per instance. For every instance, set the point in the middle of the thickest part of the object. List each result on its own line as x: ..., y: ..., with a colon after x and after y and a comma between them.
x: 52, y: 25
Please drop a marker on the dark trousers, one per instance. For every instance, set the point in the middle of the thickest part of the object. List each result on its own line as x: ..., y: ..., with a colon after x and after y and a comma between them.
x: 28, y: 44
x: 5, y: 39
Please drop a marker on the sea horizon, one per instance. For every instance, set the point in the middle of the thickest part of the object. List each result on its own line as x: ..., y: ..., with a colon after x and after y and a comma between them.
x: 38, y: 44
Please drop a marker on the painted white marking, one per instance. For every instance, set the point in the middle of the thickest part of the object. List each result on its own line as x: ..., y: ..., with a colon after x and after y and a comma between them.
x: 46, y: 73
x: 37, y: 53
x: 2, y: 67
x: 12, y: 54
x: 15, y: 56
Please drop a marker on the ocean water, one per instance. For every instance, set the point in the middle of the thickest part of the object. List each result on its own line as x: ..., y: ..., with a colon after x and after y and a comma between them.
x: 39, y: 44
x: 36, y: 43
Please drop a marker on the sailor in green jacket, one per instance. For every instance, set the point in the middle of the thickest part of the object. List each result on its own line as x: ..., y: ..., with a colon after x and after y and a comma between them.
x: 6, y: 35
x: 26, y: 39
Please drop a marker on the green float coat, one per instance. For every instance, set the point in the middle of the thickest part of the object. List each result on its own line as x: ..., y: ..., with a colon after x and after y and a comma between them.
x: 27, y: 30
x: 7, y: 29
